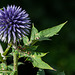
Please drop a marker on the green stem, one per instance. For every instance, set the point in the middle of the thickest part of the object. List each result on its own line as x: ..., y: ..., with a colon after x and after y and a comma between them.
x: 15, y: 60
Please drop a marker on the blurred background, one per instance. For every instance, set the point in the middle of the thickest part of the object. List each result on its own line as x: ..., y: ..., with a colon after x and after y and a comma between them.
x: 48, y: 13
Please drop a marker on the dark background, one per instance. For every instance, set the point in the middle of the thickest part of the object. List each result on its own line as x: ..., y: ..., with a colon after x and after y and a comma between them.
x: 48, y: 13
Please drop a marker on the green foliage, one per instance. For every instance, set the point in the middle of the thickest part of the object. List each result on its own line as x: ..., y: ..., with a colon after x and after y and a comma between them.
x: 29, y: 51
x: 3, y: 69
x: 39, y: 36
x: 51, y: 31
x: 34, y: 33
x: 44, y: 34
x: 37, y: 62
x: 3, y: 66
x: 12, y: 73
x: 10, y: 67
x: 39, y: 54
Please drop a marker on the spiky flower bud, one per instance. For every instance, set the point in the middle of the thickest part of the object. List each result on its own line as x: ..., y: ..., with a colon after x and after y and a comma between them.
x: 14, y: 23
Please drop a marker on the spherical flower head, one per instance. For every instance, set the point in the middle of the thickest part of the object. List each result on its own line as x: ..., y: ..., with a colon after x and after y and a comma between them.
x: 14, y: 24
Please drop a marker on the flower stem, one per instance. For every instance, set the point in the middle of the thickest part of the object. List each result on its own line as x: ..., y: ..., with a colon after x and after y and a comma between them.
x: 15, y: 60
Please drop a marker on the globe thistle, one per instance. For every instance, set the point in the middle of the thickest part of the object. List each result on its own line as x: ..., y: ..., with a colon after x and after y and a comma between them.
x: 14, y: 23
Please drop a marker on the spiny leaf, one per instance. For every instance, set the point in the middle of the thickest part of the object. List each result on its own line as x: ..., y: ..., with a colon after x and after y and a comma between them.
x: 44, y: 34
x: 39, y: 54
x: 51, y: 31
x: 33, y: 33
x: 37, y: 62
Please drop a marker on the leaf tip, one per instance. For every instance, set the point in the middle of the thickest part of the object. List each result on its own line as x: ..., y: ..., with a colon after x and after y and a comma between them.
x: 53, y: 69
x: 32, y: 24
x: 65, y: 22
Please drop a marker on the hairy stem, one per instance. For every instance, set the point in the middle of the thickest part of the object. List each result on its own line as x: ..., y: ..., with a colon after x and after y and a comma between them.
x: 15, y: 63
x: 15, y: 60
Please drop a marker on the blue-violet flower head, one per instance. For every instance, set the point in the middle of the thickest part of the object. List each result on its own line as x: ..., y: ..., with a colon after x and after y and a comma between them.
x: 14, y: 23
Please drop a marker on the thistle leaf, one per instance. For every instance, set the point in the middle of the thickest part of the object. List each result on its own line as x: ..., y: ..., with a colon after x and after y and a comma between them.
x: 39, y: 54
x: 37, y: 62
x: 33, y: 33
x: 51, y: 31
